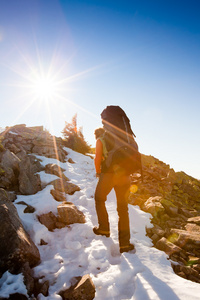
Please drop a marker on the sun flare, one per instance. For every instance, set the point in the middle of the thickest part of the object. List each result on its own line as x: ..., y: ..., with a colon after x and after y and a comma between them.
x: 44, y: 88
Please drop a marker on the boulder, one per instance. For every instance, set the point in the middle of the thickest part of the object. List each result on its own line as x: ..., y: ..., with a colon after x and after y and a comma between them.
x: 9, y: 170
x: 16, y: 247
x: 29, y: 183
x: 82, y: 289
x: 68, y: 213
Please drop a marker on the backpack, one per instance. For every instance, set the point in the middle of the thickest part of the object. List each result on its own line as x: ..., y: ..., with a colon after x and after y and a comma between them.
x: 120, y: 143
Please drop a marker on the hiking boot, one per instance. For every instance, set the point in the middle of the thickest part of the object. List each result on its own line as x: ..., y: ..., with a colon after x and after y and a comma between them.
x: 127, y: 248
x: 98, y: 231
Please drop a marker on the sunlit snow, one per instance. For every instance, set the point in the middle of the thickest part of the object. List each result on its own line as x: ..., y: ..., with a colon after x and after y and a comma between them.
x: 76, y: 251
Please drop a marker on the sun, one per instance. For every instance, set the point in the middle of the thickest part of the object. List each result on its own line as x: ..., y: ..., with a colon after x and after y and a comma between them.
x: 44, y: 87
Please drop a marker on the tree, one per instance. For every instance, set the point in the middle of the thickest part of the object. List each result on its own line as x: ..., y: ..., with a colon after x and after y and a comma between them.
x: 74, y: 138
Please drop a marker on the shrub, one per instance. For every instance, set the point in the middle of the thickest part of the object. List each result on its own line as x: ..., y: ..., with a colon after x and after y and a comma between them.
x: 73, y: 137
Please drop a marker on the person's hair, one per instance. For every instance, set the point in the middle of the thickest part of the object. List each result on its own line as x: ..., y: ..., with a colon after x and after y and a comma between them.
x: 99, y: 132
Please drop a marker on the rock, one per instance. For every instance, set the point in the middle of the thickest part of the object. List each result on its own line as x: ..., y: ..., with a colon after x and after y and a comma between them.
x: 83, y: 289
x: 55, y: 170
x: 65, y: 186
x: 41, y: 287
x: 188, y: 212
x: 58, y: 196
x: 29, y: 209
x: 166, y: 246
x: 4, y: 195
x: 13, y: 148
x: 29, y: 183
x: 70, y: 160
x: 183, y: 237
x: 171, y: 209
x: 16, y: 247
x: 195, y: 220
x: 28, y: 278
x: 49, y: 220
x: 22, y: 154
x: 153, y: 205
x: 69, y: 214
x: 48, y: 149
x: 10, y: 161
x: 42, y: 242
x: 9, y: 170
x: 192, y: 228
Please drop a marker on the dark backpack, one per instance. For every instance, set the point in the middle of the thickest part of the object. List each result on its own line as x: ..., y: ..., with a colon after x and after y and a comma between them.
x: 120, y: 143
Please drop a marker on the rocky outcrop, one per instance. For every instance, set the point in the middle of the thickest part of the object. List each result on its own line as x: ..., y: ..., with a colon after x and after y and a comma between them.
x: 33, y: 140
x: 19, y: 169
x: 173, y: 200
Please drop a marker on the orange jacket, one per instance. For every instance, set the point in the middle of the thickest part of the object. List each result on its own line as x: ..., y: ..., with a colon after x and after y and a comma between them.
x: 98, y: 156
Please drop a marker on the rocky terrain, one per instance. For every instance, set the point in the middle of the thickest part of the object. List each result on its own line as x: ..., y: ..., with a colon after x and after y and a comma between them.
x: 18, y: 176
x: 173, y: 200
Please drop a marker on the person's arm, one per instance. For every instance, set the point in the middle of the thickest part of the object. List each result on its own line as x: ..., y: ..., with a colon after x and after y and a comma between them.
x: 98, y: 157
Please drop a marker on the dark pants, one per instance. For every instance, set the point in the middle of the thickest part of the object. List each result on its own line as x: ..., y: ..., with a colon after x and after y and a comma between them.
x: 121, y: 185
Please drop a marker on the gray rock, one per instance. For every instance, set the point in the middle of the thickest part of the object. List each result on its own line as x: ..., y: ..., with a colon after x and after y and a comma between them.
x: 9, y: 168
x: 29, y: 183
x: 16, y: 247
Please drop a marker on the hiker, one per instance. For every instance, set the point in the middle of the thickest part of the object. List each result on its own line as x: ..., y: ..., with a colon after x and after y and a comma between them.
x: 113, y: 176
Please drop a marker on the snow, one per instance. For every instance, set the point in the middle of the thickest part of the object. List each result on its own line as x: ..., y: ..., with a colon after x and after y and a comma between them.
x: 76, y: 251
x: 12, y: 132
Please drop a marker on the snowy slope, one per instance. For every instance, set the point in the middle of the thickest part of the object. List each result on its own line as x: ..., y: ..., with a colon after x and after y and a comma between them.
x: 76, y: 251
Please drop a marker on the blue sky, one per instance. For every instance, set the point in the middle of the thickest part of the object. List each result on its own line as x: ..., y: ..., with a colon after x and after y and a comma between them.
x: 141, y: 55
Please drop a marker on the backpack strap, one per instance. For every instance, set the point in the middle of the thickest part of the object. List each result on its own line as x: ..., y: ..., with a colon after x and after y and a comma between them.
x: 105, y: 151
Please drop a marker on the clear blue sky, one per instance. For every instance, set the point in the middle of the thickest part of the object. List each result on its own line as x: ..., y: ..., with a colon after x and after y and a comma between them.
x: 141, y: 55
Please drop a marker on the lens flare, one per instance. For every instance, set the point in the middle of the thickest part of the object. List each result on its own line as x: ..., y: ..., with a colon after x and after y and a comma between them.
x: 133, y: 188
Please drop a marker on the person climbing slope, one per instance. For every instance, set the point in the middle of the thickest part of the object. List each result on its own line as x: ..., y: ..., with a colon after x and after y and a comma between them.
x: 113, y: 172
